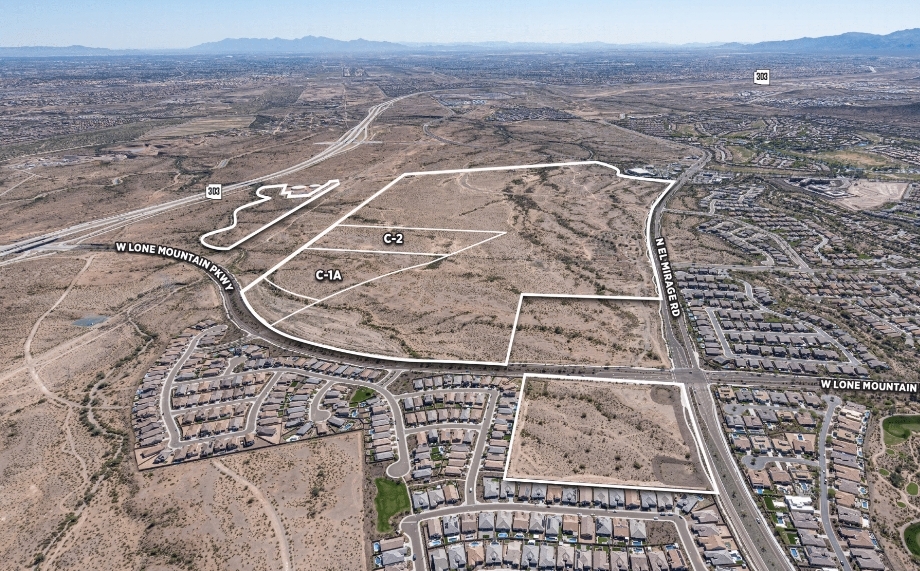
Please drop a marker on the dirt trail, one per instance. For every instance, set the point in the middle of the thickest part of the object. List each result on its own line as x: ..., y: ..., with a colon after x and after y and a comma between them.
x: 273, y: 517
x: 27, y: 347
x: 84, y: 473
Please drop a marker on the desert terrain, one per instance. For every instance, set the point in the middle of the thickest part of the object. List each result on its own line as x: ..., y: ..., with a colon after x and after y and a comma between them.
x: 577, y: 331
x: 560, y: 231
x: 604, y: 433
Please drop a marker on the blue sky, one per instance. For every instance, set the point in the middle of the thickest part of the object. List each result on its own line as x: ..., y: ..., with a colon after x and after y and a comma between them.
x: 178, y: 24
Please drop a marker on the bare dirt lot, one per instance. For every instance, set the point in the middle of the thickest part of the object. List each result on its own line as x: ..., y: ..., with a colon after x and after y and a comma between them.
x: 872, y: 194
x: 161, y: 519
x: 567, y: 230
x: 577, y: 331
x: 605, y: 433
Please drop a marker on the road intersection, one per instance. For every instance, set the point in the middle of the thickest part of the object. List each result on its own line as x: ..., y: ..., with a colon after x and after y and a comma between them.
x: 762, y: 551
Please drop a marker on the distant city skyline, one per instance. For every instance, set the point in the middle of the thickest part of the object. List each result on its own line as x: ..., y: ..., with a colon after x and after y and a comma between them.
x: 171, y: 24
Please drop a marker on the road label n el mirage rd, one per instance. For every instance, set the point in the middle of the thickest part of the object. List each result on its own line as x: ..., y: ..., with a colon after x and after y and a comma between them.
x: 667, y: 277
x: 218, y: 273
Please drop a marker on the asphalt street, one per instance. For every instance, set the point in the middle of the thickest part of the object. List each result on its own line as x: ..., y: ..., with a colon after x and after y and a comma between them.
x: 832, y: 403
x: 175, y: 435
x: 410, y: 525
x: 756, y: 541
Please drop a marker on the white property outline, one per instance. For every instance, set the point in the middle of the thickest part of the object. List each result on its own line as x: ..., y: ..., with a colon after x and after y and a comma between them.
x: 688, y: 413
x: 312, y: 195
x: 340, y: 222
x: 438, y: 257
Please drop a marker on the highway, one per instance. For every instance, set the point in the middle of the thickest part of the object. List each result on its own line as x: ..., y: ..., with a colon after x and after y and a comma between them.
x: 79, y: 233
x: 761, y: 550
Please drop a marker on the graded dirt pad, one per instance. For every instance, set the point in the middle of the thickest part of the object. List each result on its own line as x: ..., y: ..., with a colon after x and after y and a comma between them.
x: 578, y: 331
x: 566, y: 230
x: 605, y: 433
x: 869, y: 194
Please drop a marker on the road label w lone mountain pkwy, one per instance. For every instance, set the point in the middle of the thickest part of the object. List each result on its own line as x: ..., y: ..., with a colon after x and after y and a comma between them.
x: 219, y: 274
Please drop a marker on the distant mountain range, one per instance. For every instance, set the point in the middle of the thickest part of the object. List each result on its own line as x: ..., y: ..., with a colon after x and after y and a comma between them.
x: 904, y: 42
x: 304, y: 45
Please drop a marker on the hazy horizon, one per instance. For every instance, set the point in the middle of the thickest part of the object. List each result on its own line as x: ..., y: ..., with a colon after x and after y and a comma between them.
x: 171, y: 24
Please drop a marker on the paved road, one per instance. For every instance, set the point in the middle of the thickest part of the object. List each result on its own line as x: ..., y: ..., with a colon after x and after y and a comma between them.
x: 680, y: 359
x: 403, y: 465
x: 410, y: 524
x: 761, y: 550
x: 318, y: 414
x: 476, y: 460
x: 727, y: 351
x: 85, y: 230
x: 760, y: 462
x: 175, y: 435
x: 447, y: 425
x: 832, y: 403
x: 686, y: 370
x: 823, y: 335
x: 252, y: 416
x: 740, y: 408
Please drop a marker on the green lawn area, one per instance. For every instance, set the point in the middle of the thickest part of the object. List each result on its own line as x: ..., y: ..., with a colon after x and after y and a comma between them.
x: 898, y: 428
x: 362, y: 394
x: 912, y: 538
x: 912, y: 489
x: 392, y: 498
x: 901, y: 505
x: 768, y: 502
x: 883, y: 472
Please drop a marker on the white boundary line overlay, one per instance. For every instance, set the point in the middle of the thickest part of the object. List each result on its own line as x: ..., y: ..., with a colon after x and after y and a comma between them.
x: 437, y: 259
x: 287, y: 291
x: 688, y: 414
x: 313, y: 195
x: 341, y: 222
